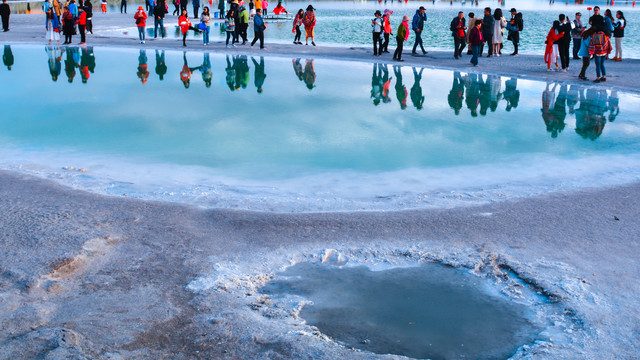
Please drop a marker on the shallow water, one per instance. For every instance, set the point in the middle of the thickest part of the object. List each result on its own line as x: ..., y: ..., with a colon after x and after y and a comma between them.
x: 304, y: 135
x: 428, y: 311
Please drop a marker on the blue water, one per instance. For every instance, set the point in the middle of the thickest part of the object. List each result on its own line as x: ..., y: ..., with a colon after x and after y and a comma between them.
x: 315, y: 135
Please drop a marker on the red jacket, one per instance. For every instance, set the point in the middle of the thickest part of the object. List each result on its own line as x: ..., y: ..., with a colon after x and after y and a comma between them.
x: 551, y: 38
x: 184, y: 23
x: 82, y: 18
x: 141, y: 15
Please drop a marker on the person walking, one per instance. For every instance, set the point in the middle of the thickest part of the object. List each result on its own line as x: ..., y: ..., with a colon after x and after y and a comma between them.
x: 185, y: 25
x: 600, y: 48
x: 376, y: 24
x: 618, y: 33
x: 297, y: 22
x: 488, y: 25
x: 141, y: 23
x: 52, y: 26
x: 459, y: 34
x: 576, y: 34
x: 476, y: 42
x: 417, y: 25
x: 244, y: 23
x: 402, y: 35
x: 265, y: 6
x: 82, y: 25
x: 158, y: 19
x: 565, y: 42
x: 5, y: 12
x: 258, y: 29
x: 498, y: 39
x: 386, y: 24
x: 471, y: 22
x: 123, y: 6
x: 205, y: 18
x: 309, y: 21
x: 230, y: 27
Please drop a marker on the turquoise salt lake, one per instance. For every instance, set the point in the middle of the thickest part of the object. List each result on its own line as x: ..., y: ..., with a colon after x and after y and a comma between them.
x: 278, y: 134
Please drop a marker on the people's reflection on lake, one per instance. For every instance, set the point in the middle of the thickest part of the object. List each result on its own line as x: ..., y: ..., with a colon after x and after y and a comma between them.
x: 511, y: 94
x: 71, y: 63
x: 185, y: 73
x: 416, y: 90
x: 401, y: 90
x: 614, y: 109
x: 456, y: 95
x: 554, y: 109
x: 590, y: 115
x: 309, y: 75
x: 161, y: 64
x: 259, y: 74
x: 376, y: 83
x: 54, y: 60
x: 231, y: 74
x: 143, y: 68
x: 241, y: 64
x: 7, y: 57
x: 205, y: 69
x: 472, y: 87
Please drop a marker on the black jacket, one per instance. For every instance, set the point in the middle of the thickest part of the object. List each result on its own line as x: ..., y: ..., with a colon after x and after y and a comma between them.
x: 5, y: 10
x: 454, y: 25
x: 487, y: 25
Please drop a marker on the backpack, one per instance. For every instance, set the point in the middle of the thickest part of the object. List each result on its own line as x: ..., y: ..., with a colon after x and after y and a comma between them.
x: 600, y: 44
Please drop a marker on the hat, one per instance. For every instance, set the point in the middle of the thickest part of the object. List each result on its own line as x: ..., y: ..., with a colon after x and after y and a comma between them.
x: 140, y: 8
x: 377, y: 12
x: 310, y: 8
x: 421, y: 8
x: 387, y: 12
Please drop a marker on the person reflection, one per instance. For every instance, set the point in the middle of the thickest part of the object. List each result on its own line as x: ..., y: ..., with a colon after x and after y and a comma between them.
x: 386, y: 80
x: 231, y: 75
x: 309, y: 75
x: 54, y: 55
x: 87, y: 64
x: 205, y: 69
x: 511, y: 94
x: 71, y: 62
x: 416, y: 90
x: 185, y: 74
x: 143, y: 68
x: 401, y: 90
x: 613, y: 107
x: 456, y: 94
x: 554, y: 117
x: 376, y: 84
x: 495, y: 85
x: 473, y: 93
x: 241, y: 64
x: 7, y: 57
x: 572, y: 98
x: 161, y: 65
x: 297, y: 68
x: 259, y: 74
x: 485, y: 95
x: 590, y: 118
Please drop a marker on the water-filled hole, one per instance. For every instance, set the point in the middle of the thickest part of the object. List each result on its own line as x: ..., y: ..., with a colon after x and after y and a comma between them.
x: 428, y: 311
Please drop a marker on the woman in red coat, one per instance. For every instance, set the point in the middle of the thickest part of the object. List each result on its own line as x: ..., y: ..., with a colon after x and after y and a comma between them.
x: 185, y: 24
x: 550, y: 54
x: 141, y: 22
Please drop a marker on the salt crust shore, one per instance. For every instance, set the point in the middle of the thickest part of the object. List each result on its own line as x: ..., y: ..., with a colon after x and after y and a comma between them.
x: 29, y: 28
x: 85, y: 276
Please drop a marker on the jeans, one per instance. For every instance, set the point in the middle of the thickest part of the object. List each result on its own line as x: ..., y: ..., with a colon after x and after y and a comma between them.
x: 141, y: 31
x: 205, y: 35
x: 576, y: 47
x: 398, y: 53
x: 377, y: 43
x: 158, y: 23
x: 458, y: 45
x: 418, y: 42
x: 600, y: 70
x: 475, y: 50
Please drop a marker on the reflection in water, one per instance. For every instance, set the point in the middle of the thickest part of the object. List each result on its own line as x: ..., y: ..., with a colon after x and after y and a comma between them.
x: 480, y: 93
x: 7, y: 57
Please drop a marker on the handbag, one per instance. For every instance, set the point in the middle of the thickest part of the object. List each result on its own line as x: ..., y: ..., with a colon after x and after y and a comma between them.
x: 202, y: 26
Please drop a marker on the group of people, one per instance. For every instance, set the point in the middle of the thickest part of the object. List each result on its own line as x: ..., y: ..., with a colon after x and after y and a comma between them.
x: 68, y: 19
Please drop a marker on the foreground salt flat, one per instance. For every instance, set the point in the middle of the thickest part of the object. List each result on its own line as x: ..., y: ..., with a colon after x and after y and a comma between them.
x: 89, y: 276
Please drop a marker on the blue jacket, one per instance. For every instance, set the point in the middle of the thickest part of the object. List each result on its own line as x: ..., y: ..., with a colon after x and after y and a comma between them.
x: 258, y: 23
x: 418, y: 21
x: 73, y: 8
x: 584, y: 47
x: 487, y: 24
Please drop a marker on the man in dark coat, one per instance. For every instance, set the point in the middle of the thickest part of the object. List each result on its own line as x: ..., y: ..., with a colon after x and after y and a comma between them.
x: 5, y: 11
x: 564, y: 42
x: 488, y: 23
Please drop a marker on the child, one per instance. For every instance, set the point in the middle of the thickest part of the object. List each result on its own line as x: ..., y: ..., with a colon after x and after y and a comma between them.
x: 551, y: 51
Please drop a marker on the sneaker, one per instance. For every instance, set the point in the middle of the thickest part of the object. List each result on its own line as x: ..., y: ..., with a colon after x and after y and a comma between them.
x: 228, y: 46
x: 312, y: 43
x: 603, y: 79
x: 234, y: 45
x: 549, y: 69
x: 582, y: 77
x: 424, y: 52
x: 597, y: 80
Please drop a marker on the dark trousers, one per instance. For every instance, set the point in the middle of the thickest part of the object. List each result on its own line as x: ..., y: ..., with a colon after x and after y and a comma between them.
x: 243, y: 32
x: 576, y: 47
x: 377, y: 43
x: 563, y: 48
x: 90, y: 25
x: 195, y: 11
x: 475, y: 50
x: 385, y: 44
x: 515, y: 38
x: 488, y: 38
x: 586, y: 60
x: 230, y: 34
x: 184, y: 39
x: 82, y: 34
x: 258, y: 35
x: 418, y: 42
x: 5, y: 22
x: 298, y: 34
x: 398, y: 53
x: 123, y: 7
x: 458, y: 45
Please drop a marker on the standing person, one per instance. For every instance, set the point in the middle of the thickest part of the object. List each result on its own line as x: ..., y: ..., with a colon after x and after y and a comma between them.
x: 46, y: 5
x: 472, y: 23
x: 576, y: 35
x: 499, y: 23
x: 88, y: 8
x: 176, y: 8
x: 585, y: 41
x: 488, y: 25
x: 376, y: 24
x: 185, y: 24
x: 244, y: 23
x: 123, y: 6
x: 141, y: 23
x: 73, y: 8
x: 230, y: 27
x: 386, y: 24
x: 476, y: 41
x: 565, y: 42
x: 52, y: 26
x: 258, y: 29
x: 600, y: 48
x: 196, y: 7
x: 418, y: 26
x: 309, y: 21
x: 618, y: 33
x: 57, y: 8
x: 5, y: 12
x: 258, y: 5
x: 205, y: 18
x: 158, y: 19
x: 265, y: 5
x: 103, y: 6
x: 183, y: 5
x: 514, y: 27
x: 551, y: 49
x: 82, y: 25
x: 608, y: 22
x: 221, y: 7
x: 458, y: 28
x: 402, y: 35
x: 297, y: 22
x: 68, y: 25
x: 596, y: 19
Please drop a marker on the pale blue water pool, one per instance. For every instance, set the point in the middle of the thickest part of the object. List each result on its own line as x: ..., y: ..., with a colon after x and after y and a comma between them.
x: 302, y: 135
